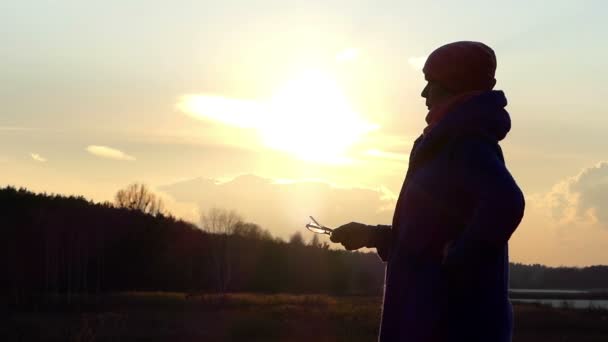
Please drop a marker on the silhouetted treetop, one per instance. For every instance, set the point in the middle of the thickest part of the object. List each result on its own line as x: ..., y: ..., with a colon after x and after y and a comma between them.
x: 138, y: 196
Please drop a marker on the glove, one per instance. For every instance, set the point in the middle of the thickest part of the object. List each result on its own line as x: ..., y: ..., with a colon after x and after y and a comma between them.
x: 354, y: 235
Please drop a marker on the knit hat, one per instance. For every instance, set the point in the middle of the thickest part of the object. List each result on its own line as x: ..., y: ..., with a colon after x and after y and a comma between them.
x: 462, y: 66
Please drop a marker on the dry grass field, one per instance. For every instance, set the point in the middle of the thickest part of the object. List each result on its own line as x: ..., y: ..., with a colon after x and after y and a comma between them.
x: 252, y: 317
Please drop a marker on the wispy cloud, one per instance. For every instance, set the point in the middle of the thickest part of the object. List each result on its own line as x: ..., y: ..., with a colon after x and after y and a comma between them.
x: 417, y: 62
x: 108, y: 152
x: 229, y: 111
x: 38, y: 157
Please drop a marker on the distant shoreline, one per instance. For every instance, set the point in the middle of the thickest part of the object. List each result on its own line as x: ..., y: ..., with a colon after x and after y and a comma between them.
x: 600, y: 294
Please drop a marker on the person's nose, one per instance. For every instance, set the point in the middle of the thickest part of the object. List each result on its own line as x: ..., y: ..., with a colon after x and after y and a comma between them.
x: 425, y: 91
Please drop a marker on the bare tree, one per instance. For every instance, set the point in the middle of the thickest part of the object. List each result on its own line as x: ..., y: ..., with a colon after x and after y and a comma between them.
x: 222, y: 223
x: 314, y: 241
x: 137, y: 196
x: 251, y: 231
x: 296, y: 239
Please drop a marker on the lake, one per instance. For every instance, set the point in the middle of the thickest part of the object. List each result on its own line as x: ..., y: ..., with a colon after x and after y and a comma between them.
x: 557, y: 298
x: 568, y: 303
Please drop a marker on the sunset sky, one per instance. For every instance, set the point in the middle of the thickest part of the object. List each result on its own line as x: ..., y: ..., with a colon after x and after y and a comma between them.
x: 284, y: 109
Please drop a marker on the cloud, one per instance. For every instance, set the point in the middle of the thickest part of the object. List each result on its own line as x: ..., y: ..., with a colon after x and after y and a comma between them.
x: 582, y: 198
x: 37, y: 157
x: 283, y: 206
x: 541, y: 238
x: 229, y: 111
x: 567, y: 225
x: 417, y: 62
x: 108, y: 152
x: 187, y: 211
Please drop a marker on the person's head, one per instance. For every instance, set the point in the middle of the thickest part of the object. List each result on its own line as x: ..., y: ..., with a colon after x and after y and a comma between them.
x: 458, y: 68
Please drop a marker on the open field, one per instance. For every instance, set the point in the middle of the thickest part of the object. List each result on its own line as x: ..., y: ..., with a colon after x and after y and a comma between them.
x: 252, y: 317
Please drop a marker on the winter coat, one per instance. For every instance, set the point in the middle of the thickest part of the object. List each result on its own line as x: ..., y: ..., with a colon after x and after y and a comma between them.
x: 457, y: 189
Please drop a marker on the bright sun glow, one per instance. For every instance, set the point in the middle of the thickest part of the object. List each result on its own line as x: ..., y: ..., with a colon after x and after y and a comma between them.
x: 311, y: 118
x: 308, y: 117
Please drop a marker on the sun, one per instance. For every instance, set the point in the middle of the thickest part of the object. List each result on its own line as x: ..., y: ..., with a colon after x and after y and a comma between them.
x: 308, y: 117
x: 311, y: 118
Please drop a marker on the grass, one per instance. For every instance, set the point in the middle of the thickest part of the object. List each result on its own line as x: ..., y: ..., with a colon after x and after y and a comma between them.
x: 254, y: 317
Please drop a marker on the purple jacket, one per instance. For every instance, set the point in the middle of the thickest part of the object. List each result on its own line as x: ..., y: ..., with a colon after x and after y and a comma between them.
x: 458, y: 189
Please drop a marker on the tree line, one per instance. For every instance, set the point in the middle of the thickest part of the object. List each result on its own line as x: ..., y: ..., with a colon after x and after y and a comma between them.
x: 69, y: 245
x: 54, y: 244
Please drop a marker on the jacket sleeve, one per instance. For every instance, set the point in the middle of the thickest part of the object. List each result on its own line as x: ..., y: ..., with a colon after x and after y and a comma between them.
x: 498, y: 203
x: 381, y: 240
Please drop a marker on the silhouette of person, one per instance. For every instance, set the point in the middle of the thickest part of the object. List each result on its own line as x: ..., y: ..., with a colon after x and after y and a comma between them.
x: 446, y: 251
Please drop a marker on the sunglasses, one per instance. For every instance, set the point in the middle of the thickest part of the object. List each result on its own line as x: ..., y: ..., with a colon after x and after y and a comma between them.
x: 318, y: 228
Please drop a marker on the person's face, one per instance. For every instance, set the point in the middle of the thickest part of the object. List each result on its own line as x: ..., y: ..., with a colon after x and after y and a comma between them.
x: 434, y: 93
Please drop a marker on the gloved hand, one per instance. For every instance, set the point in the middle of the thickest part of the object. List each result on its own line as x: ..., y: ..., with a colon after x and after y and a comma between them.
x: 354, y: 235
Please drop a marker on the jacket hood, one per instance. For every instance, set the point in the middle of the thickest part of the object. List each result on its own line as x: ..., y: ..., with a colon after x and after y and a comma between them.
x: 484, y: 115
